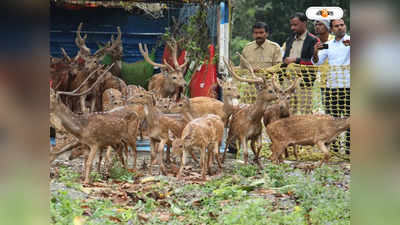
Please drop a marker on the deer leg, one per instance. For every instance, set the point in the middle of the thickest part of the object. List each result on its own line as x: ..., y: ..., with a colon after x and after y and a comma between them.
x: 152, y: 154
x: 256, y: 153
x: 183, y: 164
x: 168, y: 154
x: 160, y: 155
x: 108, y: 161
x: 243, y: 141
x: 134, y: 152
x: 100, y: 159
x: 193, y: 156
x: 209, y: 159
x: 203, y: 164
x: 121, y: 155
x: 93, y: 105
x: 226, y: 148
x: 83, y: 103
x: 89, y: 162
x: 295, y: 148
x: 217, y: 158
x: 324, y: 149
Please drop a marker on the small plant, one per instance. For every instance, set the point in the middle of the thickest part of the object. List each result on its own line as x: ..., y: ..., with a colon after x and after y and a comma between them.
x: 246, y: 171
x: 69, y: 177
x: 118, y: 172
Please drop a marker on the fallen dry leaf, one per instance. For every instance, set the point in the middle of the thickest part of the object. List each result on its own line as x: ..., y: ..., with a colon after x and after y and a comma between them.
x: 148, y: 179
x: 164, y: 217
x: 143, y: 217
x: 115, y: 219
x: 266, y: 191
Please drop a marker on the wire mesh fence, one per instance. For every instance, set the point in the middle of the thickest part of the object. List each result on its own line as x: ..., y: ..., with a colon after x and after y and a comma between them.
x: 321, y: 90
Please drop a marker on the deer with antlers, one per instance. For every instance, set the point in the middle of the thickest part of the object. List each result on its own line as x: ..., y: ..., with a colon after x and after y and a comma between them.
x: 96, y: 130
x: 281, y: 109
x: 170, y: 82
x: 246, y: 123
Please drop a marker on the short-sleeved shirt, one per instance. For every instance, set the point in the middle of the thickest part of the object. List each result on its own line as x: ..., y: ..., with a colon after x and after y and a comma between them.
x: 264, y: 56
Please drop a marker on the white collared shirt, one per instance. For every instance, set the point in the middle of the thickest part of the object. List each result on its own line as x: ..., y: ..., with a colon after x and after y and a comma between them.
x: 338, y: 55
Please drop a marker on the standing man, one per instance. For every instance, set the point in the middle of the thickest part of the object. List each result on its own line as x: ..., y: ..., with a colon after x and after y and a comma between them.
x: 299, y: 48
x: 261, y: 53
x: 322, y: 30
x: 337, y: 91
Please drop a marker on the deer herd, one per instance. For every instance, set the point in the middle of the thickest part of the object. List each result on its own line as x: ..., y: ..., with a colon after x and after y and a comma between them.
x: 93, y: 104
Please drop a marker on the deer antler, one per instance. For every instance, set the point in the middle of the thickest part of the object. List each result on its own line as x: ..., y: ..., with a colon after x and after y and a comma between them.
x: 293, y: 86
x: 275, y: 85
x: 87, y: 78
x: 248, y: 65
x: 65, y: 55
x: 79, y: 40
x: 174, y: 52
x: 145, y: 54
x: 91, y: 88
x: 232, y: 72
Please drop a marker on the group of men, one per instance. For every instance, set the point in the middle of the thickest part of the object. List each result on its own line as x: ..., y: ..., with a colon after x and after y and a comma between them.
x: 330, y: 45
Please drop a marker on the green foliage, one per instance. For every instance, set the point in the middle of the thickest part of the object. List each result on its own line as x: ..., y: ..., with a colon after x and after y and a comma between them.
x: 249, y: 212
x: 69, y: 177
x: 246, y: 170
x: 277, y: 15
x: 118, y: 172
x: 237, y: 45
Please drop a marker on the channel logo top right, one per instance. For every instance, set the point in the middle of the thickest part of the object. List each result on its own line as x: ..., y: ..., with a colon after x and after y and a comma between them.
x: 322, y: 12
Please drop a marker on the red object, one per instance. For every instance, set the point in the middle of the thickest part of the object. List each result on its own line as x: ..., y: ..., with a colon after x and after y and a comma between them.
x: 204, y: 80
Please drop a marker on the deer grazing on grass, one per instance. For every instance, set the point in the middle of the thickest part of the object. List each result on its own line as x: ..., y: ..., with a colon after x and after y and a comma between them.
x: 204, y: 134
x: 245, y: 124
x: 317, y: 130
x: 97, y: 130
x: 170, y: 82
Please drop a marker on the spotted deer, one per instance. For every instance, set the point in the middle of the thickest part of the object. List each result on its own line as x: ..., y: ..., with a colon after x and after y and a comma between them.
x: 158, y: 124
x: 320, y: 130
x: 281, y: 109
x: 245, y: 124
x: 203, y: 134
x: 96, y: 130
x: 170, y: 81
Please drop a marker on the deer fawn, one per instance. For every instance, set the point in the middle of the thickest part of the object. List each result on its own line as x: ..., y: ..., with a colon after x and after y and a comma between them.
x: 203, y: 134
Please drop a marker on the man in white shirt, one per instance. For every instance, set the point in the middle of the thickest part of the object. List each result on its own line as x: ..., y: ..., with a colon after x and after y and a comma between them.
x: 337, y: 92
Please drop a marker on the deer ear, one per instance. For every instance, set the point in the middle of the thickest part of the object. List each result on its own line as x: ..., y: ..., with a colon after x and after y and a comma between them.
x: 171, y: 135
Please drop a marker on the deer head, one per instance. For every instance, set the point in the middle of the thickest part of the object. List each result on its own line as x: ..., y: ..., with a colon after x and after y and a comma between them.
x: 163, y: 104
x: 143, y: 97
x: 174, y: 75
x: 285, y: 94
x: 80, y: 42
x: 115, y: 48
